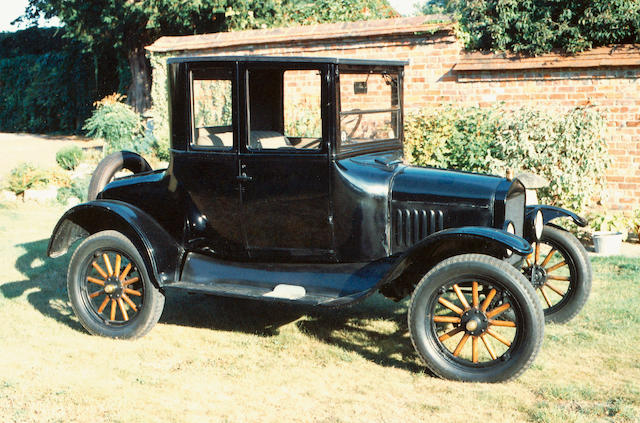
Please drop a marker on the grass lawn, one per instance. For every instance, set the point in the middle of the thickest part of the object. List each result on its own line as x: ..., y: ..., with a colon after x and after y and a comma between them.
x: 212, y: 359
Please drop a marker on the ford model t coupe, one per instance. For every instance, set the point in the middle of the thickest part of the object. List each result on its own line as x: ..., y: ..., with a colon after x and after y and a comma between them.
x: 286, y: 183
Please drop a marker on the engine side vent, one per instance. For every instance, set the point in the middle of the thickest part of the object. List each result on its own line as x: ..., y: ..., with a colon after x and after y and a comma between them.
x: 411, y: 225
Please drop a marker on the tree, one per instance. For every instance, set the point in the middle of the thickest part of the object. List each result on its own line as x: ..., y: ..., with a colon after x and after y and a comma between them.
x: 127, y: 26
x: 434, y: 7
x: 539, y: 26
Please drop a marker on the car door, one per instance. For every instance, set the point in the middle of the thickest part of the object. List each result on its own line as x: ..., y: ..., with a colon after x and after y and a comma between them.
x: 208, y: 168
x: 284, y: 165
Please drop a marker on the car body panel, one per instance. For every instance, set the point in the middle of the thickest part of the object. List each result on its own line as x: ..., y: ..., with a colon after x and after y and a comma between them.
x: 160, y: 252
x: 550, y: 213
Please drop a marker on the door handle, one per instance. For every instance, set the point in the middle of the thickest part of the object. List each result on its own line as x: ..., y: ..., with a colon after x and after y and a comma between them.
x: 244, y: 178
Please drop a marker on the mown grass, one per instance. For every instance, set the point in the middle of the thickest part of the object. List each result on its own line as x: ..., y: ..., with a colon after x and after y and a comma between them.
x: 213, y: 359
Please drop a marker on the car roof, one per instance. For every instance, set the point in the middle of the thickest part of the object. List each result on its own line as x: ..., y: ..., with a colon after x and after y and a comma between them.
x: 290, y: 59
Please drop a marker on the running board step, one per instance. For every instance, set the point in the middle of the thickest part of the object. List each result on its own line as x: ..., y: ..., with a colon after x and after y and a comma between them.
x: 326, y: 284
x: 281, y: 292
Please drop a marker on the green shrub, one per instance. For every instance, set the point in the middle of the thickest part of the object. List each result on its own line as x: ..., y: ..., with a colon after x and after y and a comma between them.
x: 161, y: 148
x: 69, y: 157
x: 78, y: 189
x: 119, y: 126
x: 634, y: 223
x: 452, y: 137
x: 568, y: 149
x: 26, y: 176
x: 609, y: 221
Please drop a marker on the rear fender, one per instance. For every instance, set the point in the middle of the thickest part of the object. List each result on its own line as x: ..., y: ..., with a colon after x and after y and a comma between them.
x: 550, y: 213
x: 419, y: 259
x: 158, y: 249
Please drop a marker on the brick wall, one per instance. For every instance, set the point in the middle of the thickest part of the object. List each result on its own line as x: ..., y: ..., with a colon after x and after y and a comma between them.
x: 440, y: 72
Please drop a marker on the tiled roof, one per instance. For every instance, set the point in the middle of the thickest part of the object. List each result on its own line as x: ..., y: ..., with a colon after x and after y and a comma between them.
x: 395, y: 26
x: 620, y: 55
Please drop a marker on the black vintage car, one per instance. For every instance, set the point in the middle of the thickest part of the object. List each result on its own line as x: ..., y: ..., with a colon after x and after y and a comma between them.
x: 286, y: 183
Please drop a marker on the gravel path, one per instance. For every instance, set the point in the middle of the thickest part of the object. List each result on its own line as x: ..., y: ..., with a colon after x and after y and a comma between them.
x: 37, y: 149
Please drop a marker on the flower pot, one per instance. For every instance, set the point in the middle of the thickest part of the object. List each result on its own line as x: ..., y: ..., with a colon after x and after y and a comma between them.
x: 607, y: 243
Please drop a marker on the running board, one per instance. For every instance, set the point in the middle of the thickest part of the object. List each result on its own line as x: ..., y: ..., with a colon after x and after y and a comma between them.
x: 255, y: 292
x: 316, y: 284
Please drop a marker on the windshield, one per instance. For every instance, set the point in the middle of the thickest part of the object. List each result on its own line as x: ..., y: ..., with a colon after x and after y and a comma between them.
x: 369, y: 108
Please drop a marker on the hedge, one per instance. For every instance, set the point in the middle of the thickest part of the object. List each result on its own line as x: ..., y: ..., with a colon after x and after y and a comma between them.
x: 569, y: 149
x: 49, y: 92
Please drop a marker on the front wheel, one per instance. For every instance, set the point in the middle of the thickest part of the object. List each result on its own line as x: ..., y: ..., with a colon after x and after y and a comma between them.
x: 109, y: 288
x: 560, y: 271
x: 475, y: 318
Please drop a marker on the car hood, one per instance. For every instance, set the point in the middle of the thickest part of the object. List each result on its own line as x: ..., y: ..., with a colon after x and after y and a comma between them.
x: 444, y: 187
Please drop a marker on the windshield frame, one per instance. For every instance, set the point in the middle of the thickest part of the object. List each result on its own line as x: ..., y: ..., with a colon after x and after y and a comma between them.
x: 373, y: 145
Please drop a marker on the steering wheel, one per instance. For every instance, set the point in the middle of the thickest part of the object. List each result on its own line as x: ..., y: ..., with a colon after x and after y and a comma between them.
x: 312, y: 143
x: 350, y: 119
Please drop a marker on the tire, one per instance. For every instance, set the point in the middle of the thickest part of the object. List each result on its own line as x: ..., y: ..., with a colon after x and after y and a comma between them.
x: 563, y: 289
x: 439, y: 333
x: 116, y: 301
x: 112, y: 164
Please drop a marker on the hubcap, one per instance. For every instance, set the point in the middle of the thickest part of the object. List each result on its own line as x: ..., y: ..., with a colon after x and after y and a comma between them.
x: 549, y: 273
x: 475, y: 321
x: 537, y: 275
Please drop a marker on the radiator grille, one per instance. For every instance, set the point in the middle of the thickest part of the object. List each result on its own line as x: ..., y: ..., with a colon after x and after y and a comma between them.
x: 412, y: 225
x: 514, y: 211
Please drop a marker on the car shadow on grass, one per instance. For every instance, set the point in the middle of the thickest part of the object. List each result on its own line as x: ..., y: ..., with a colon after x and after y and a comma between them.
x: 227, y: 314
x: 45, y: 284
x: 375, y: 329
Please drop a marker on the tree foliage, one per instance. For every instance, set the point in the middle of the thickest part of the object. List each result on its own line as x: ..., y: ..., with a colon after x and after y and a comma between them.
x: 127, y: 26
x: 539, y: 26
x: 432, y: 7
x: 32, y: 41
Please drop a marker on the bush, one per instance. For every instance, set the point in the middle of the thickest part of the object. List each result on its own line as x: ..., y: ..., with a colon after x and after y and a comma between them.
x: 568, y: 149
x: 452, y: 137
x: 69, y: 157
x: 26, y: 176
x: 635, y: 223
x: 610, y: 222
x: 78, y: 189
x: 119, y: 126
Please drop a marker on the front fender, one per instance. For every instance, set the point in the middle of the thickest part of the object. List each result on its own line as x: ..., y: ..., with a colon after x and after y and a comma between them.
x: 550, y: 213
x: 158, y: 249
x: 420, y: 258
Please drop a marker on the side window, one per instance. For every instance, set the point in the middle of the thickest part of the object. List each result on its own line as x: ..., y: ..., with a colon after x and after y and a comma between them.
x: 212, y: 105
x: 285, y: 110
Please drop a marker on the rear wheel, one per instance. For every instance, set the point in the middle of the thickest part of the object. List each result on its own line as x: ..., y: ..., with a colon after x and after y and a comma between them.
x: 109, y: 288
x: 560, y: 271
x: 475, y: 318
